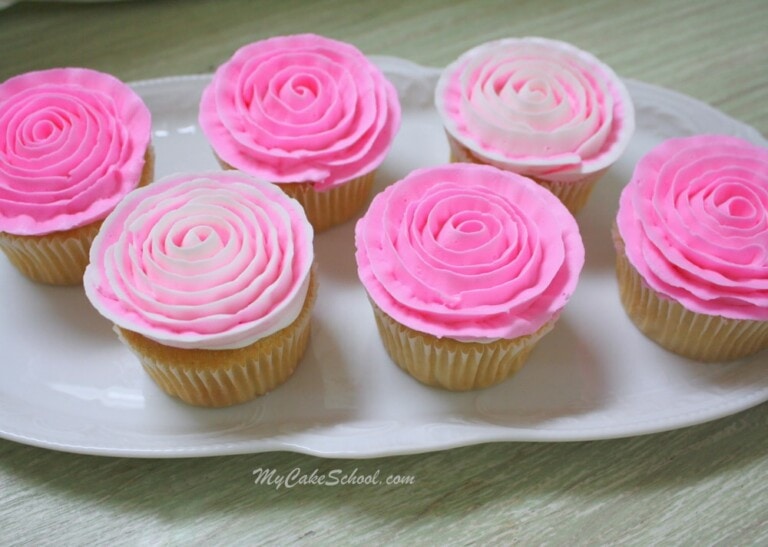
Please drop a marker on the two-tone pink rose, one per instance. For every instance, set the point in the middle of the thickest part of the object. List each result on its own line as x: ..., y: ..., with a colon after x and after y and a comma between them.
x: 536, y: 106
x: 210, y: 260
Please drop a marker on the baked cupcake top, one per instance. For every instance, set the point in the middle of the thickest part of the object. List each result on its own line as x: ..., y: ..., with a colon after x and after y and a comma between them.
x: 72, y: 144
x: 207, y: 260
x: 536, y: 106
x: 300, y: 108
x: 469, y: 252
x: 693, y: 221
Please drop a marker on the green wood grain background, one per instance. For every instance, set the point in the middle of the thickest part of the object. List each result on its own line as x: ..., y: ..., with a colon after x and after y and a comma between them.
x: 706, y: 484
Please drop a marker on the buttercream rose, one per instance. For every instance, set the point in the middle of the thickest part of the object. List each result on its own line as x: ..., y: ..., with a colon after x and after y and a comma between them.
x: 300, y: 108
x: 211, y: 260
x: 73, y: 143
x: 694, y: 224
x: 536, y: 106
x: 469, y: 252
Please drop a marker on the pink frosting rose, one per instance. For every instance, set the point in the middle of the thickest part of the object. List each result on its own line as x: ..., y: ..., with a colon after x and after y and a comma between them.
x: 694, y: 224
x: 300, y: 108
x: 211, y: 260
x: 536, y: 106
x: 72, y: 144
x: 469, y: 252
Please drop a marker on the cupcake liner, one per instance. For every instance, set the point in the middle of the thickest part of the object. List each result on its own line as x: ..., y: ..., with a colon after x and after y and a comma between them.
x: 59, y: 258
x: 218, y: 378
x: 573, y: 194
x: 698, y: 336
x: 449, y: 363
x: 331, y: 207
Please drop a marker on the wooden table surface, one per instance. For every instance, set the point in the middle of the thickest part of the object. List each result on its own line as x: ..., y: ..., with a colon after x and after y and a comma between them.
x: 706, y: 484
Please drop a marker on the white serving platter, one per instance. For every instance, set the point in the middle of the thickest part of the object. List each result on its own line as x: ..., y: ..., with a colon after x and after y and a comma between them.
x: 66, y: 382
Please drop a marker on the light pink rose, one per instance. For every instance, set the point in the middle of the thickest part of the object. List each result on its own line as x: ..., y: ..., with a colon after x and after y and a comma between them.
x: 694, y: 222
x: 469, y: 252
x: 300, y: 108
x: 72, y: 144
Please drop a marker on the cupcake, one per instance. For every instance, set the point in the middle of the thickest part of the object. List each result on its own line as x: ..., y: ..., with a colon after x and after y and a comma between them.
x: 308, y: 113
x: 692, y: 247
x: 537, y: 107
x: 208, y: 279
x: 74, y: 143
x: 466, y: 268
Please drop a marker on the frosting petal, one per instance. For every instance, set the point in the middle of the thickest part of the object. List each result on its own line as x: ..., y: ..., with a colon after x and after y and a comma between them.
x: 72, y: 144
x: 537, y: 107
x: 300, y: 108
x: 211, y: 260
x: 469, y: 252
x: 694, y: 222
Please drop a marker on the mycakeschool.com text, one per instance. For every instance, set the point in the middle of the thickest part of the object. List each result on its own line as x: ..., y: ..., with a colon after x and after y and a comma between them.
x: 264, y: 476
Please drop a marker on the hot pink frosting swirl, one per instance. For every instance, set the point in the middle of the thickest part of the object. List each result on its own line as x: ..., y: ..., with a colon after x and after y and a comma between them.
x: 536, y: 106
x: 469, y: 252
x: 300, y: 108
x: 694, y: 222
x: 211, y: 260
x: 72, y: 144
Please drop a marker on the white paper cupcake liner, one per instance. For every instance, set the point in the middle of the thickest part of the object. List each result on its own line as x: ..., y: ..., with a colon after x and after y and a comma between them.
x: 451, y: 364
x: 331, y: 207
x: 698, y: 336
x: 573, y: 194
x: 218, y: 378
